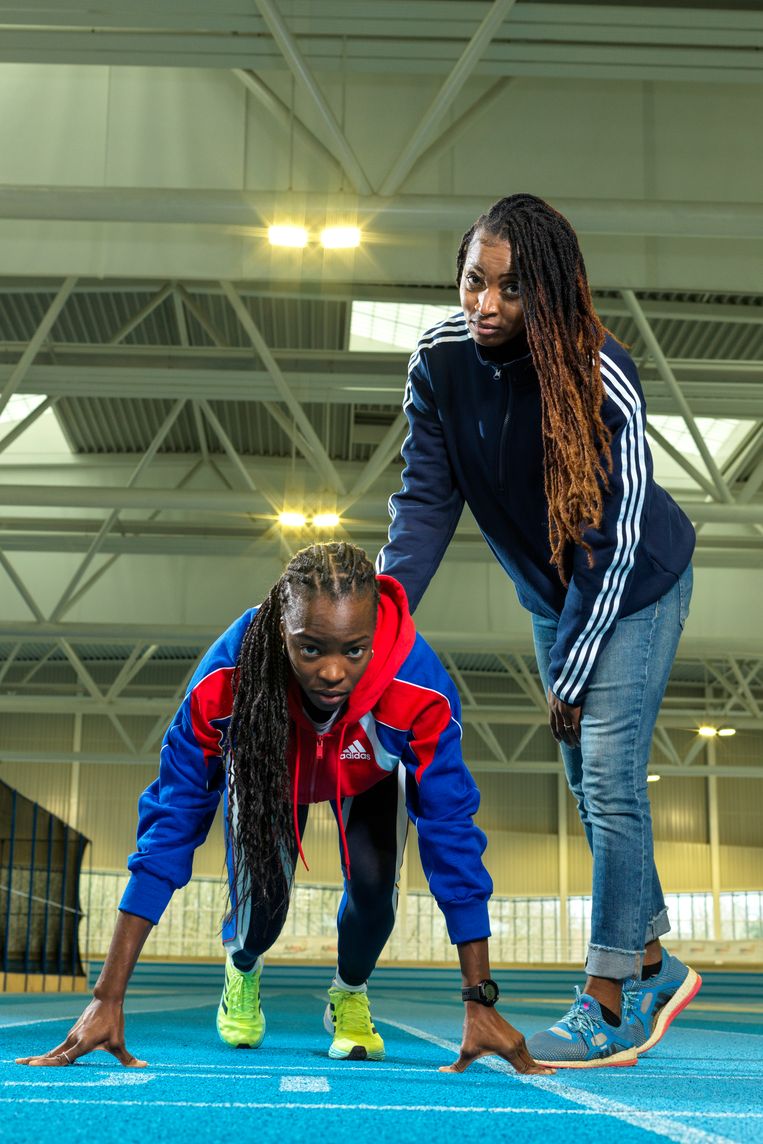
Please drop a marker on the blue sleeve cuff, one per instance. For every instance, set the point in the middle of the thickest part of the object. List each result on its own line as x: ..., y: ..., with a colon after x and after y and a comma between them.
x: 146, y: 896
x: 466, y: 921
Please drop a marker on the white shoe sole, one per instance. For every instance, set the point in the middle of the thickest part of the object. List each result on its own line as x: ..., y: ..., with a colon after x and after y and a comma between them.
x: 685, y: 993
x: 622, y: 1059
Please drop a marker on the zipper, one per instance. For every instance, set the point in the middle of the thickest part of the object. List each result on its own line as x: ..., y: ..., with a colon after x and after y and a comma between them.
x: 502, y: 443
x: 319, y: 759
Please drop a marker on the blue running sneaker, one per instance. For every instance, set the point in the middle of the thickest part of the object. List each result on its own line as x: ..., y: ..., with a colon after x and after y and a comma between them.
x: 650, y: 1006
x: 584, y: 1040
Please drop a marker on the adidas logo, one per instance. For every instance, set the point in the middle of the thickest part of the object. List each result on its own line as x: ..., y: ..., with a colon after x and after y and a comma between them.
x: 355, y: 750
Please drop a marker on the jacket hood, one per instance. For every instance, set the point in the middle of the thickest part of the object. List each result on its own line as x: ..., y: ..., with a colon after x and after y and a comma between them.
x: 393, y: 639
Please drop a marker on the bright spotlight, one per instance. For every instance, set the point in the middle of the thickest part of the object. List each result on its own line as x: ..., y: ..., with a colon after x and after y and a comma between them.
x: 326, y: 520
x: 340, y: 237
x: 707, y: 732
x: 287, y: 236
x: 292, y: 519
x: 652, y: 778
x: 726, y: 732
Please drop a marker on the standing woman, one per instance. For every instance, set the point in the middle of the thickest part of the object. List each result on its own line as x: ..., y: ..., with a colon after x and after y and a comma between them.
x: 527, y: 409
x: 325, y: 693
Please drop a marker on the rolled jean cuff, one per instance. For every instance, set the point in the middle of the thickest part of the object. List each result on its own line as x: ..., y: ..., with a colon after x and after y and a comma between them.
x: 658, y: 926
x: 615, y: 963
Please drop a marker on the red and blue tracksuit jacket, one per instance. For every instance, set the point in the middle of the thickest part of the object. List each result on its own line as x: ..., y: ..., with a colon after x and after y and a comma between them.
x: 404, y: 709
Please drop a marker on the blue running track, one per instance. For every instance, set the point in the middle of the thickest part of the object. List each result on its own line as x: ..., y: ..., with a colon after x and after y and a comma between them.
x: 702, y: 1085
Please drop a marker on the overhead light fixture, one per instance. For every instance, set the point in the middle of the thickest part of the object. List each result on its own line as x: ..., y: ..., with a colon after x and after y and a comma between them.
x: 287, y: 236
x: 340, y: 237
x: 326, y: 520
x: 653, y: 778
x: 726, y: 732
x: 707, y: 732
x: 292, y: 519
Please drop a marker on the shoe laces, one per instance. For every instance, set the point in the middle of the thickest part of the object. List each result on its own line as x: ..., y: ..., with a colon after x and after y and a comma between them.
x: 579, y: 1016
x: 353, y: 1013
x: 243, y: 990
x: 629, y: 1001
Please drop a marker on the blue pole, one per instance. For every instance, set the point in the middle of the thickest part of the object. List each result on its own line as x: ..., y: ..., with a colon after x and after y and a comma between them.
x: 31, y: 891
x: 82, y: 843
x: 62, y: 905
x: 11, y: 846
x: 47, y: 897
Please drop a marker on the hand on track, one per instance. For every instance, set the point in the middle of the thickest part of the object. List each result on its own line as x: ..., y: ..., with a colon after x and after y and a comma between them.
x: 485, y: 1033
x: 101, y: 1026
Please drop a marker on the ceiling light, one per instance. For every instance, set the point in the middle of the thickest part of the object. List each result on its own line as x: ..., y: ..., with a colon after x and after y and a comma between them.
x: 340, y: 237
x: 326, y: 520
x: 287, y: 236
x: 292, y: 519
x: 726, y: 732
x: 707, y: 732
x: 652, y: 778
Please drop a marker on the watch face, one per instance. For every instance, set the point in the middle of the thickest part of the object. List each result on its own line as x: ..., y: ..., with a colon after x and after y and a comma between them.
x: 490, y: 991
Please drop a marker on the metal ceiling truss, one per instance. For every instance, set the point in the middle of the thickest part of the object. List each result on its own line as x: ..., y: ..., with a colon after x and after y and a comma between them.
x: 646, y: 42
x: 730, y: 496
x: 137, y: 689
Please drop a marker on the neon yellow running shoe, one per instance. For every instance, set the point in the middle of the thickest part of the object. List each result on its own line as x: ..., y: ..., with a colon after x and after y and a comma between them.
x: 348, y: 1019
x: 240, y: 1020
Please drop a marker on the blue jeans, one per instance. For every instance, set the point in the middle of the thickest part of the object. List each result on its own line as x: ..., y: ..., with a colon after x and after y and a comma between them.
x: 607, y: 775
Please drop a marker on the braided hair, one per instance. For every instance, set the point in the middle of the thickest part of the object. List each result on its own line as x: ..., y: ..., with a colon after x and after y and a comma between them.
x: 260, y: 820
x: 565, y: 335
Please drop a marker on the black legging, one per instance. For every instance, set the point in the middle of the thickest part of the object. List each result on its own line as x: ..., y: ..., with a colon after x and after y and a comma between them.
x: 375, y: 825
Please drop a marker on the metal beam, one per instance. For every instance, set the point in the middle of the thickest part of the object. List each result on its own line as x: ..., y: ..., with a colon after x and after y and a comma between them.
x: 217, y: 501
x: 108, y: 564
x: 140, y: 315
x: 284, y: 115
x: 20, y: 587
x: 682, y: 462
x: 260, y: 486
x: 107, y: 525
x: 446, y: 95
x: 729, y: 389
x: 263, y: 351
x: 383, y: 455
x: 36, y: 341
x: 658, y: 357
x: 21, y: 428
x: 176, y: 207
x: 132, y: 667
x: 452, y: 132
x: 96, y: 704
x: 304, y: 77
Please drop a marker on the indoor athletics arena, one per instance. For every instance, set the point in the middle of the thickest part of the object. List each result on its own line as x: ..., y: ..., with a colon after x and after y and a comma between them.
x: 235, y: 306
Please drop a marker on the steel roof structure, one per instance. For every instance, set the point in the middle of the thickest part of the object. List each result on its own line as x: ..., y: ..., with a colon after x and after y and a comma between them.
x: 198, y: 382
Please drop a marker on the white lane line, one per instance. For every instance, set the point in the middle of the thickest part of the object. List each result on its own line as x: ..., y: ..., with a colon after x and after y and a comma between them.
x: 110, y: 1080
x: 304, y: 1084
x: 372, y: 1069
x: 645, y: 1120
x: 656, y: 1122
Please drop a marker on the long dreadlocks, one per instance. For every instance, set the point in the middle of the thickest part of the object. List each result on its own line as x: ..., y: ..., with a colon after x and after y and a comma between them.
x: 259, y: 805
x: 565, y: 335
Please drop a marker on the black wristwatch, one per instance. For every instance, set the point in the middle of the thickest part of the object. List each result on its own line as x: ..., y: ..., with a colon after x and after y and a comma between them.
x: 486, y: 992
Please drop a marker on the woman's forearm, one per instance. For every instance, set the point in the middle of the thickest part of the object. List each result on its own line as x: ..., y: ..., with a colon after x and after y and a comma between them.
x: 127, y: 941
x: 475, y: 961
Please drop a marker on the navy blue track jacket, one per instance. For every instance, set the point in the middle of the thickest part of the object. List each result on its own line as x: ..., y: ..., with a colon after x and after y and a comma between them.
x: 475, y: 437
